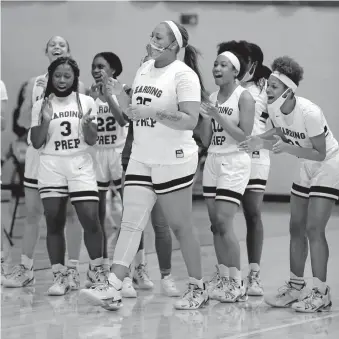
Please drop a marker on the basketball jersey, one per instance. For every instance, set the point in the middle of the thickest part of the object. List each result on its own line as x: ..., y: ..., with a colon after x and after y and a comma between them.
x: 306, y: 121
x: 155, y: 143
x: 110, y: 133
x: 222, y: 142
x: 260, y: 118
x: 65, y: 136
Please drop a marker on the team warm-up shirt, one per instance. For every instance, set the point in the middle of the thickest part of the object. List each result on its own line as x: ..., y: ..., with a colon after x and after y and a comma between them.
x: 260, y: 119
x: 110, y: 133
x: 65, y: 135
x: 306, y: 121
x: 222, y: 142
x: 163, y: 88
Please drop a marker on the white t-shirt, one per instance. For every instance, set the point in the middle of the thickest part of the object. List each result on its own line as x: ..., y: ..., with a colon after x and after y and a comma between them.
x: 3, y: 91
x: 38, y: 91
x: 110, y: 133
x: 222, y: 142
x: 306, y: 121
x: 65, y: 135
x: 260, y: 119
x: 163, y: 88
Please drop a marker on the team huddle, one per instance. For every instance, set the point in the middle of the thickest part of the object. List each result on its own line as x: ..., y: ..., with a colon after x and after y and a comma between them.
x: 140, y: 138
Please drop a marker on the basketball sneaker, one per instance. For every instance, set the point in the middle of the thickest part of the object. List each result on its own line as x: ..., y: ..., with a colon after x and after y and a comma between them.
x: 254, y: 285
x: 60, y: 284
x: 127, y: 290
x: 214, y: 282
x: 20, y: 276
x: 73, y: 278
x: 104, y: 295
x: 233, y: 292
x: 194, y: 298
x: 313, y: 302
x: 217, y: 292
x: 141, y: 279
x: 95, y: 275
x: 287, y: 295
x: 169, y: 287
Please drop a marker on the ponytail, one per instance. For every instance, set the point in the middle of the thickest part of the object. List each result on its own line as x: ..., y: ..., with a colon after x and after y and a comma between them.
x: 191, y: 59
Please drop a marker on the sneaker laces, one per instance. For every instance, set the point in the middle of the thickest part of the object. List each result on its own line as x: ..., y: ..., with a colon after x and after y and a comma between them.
x: 253, y: 278
x: 216, y: 277
x: 169, y: 282
x: 311, y: 296
x: 99, y: 274
x: 283, y: 290
x: 192, y: 292
x: 142, y: 272
x: 101, y: 286
x: 59, y: 278
x: 18, y: 271
x: 73, y: 273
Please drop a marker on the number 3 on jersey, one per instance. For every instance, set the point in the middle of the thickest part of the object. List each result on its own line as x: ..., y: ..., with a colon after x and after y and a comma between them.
x: 67, y: 128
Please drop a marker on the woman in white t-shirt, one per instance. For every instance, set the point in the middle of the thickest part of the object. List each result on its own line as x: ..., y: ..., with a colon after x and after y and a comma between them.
x: 165, y: 108
x: 22, y: 275
x: 300, y: 129
x: 228, y: 121
x: 63, y: 128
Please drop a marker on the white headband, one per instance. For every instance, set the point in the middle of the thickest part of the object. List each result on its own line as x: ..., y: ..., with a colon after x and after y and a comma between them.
x: 286, y: 80
x: 234, y: 60
x: 176, y: 33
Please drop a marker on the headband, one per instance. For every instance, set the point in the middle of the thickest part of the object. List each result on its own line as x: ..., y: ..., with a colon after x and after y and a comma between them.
x: 176, y: 33
x: 286, y: 80
x: 234, y: 60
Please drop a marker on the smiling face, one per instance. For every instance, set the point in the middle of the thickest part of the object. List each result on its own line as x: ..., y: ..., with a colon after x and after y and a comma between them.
x: 56, y: 47
x: 223, y: 71
x: 100, y: 63
x: 63, y: 77
x: 275, y: 88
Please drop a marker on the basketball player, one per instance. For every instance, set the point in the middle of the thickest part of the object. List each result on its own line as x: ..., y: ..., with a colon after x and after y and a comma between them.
x: 165, y: 108
x: 163, y: 240
x: 254, y: 80
x: 112, y: 133
x: 228, y: 120
x: 64, y: 124
x: 300, y: 129
x: 4, y: 99
x: 22, y: 275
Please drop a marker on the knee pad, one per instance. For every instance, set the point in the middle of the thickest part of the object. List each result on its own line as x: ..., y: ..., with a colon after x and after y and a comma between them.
x: 138, y: 203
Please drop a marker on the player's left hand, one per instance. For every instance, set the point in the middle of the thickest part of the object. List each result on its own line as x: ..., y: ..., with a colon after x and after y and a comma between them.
x: 280, y: 146
x: 209, y: 109
x: 113, y: 87
x: 139, y: 112
x: 87, y: 118
x: 251, y: 144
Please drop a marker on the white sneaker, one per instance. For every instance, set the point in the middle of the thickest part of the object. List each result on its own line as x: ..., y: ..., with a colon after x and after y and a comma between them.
x: 168, y: 286
x: 95, y: 275
x: 104, y: 295
x: 73, y: 278
x: 315, y: 301
x: 127, y: 290
x: 60, y: 284
x: 287, y: 295
x: 214, y: 282
x: 194, y: 298
x: 233, y: 292
x: 217, y: 292
x: 141, y: 279
x: 20, y: 276
x: 254, y: 285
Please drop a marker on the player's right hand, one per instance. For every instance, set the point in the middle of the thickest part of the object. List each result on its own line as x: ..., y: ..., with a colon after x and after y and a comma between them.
x: 47, y: 109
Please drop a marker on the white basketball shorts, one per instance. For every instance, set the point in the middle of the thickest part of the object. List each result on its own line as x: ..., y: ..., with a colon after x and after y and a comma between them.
x: 32, y: 161
x: 260, y: 169
x: 226, y: 176
x: 162, y: 178
x: 107, y: 164
x: 318, y: 179
x: 62, y: 176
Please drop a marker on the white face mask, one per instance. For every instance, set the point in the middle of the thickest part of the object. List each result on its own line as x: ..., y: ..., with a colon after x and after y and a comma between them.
x: 155, y: 50
x: 275, y: 107
x: 249, y: 74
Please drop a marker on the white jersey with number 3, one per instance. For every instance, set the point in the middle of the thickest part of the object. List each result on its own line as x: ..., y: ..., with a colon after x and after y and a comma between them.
x: 110, y: 133
x: 222, y: 142
x: 65, y: 135
x: 306, y: 121
x: 163, y: 88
